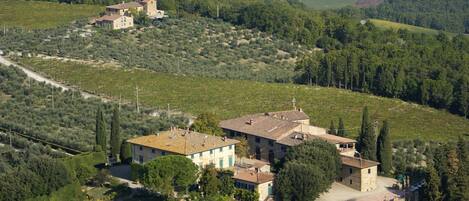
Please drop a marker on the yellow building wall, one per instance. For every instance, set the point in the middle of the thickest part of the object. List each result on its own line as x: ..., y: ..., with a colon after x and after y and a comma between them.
x: 149, y: 154
x: 359, y: 179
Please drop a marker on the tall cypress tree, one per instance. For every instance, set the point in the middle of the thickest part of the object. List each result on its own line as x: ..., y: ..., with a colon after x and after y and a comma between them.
x: 366, y: 138
x: 341, y: 129
x: 332, y: 129
x: 100, y: 129
x: 431, y: 189
x: 384, y: 153
x: 126, y: 153
x: 115, y: 133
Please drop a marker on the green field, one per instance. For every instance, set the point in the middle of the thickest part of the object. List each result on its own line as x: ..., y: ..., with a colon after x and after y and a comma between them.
x: 233, y: 98
x: 328, y: 4
x: 39, y: 15
x: 384, y: 24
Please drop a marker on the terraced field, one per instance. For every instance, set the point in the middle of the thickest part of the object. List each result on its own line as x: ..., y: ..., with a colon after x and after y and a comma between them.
x: 231, y: 98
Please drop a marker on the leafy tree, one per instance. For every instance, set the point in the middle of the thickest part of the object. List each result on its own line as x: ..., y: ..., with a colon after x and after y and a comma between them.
x: 242, y: 148
x: 115, y: 134
x: 341, y: 130
x: 209, y: 182
x: 101, y: 130
x: 246, y: 195
x: 385, y: 149
x: 168, y: 174
x: 125, y: 152
x: 207, y: 123
x: 431, y: 190
x: 366, y: 138
x: 300, y: 181
x: 332, y: 129
x: 227, y: 187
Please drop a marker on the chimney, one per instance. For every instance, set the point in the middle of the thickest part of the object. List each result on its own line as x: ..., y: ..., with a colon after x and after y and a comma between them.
x: 300, y: 110
x: 251, y: 121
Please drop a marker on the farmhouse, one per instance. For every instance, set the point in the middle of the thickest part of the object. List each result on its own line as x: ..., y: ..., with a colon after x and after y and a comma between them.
x: 262, y: 182
x: 270, y: 134
x: 120, y: 16
x: 202, y: 149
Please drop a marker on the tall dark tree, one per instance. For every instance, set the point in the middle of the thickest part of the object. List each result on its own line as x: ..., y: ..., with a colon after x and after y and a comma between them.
x: 341, y: 130
x: 384, y: 153
x: 115, y: 134
x: 100, y: 130
x: 207, y: 123
x: 366, y: 138
x: 125, y: 152
x: 332, y: 129
x: 431, y: 189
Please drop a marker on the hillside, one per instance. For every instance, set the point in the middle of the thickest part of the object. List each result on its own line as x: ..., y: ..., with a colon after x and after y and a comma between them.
x: 384, y: 24
x: 35, y: 14
x: 233, y: 98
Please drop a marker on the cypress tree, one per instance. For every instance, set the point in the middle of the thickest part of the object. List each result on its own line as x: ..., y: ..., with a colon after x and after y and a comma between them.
x: 366, y: 138
x: 341, y: 130
x: 332, y: 129
x: 384, y: 153
x: 125, y: 152
x: 431, y: 189
x: 115, y: 133
x: 100, y: 130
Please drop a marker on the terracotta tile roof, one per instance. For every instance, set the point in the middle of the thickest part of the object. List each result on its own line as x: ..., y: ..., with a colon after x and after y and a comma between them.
x: 109, y: 18
x: 297, y: 138
x: 357, y: 162
x: 127, y: 5
x: 289, y: 115
x: 261, y: 125
x: 249, y: 163
x: 182, y: 141
x: 253, y: 177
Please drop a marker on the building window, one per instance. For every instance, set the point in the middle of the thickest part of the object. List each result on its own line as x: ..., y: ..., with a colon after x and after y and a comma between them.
x: 258, y: 153
x: 230, y: 147
x: 220, y: 162
x: 141, y: 148
x: 271, y: 156
x: 258, y: 140
x: 369, y: 171
x: 192, y: 156
x: 271, y: 143
x: 350, y: 181
x: 152, y: 150
x: 140, y: 158
x: 163, y: 153
x: 283, y: 148
x: 230, y: 161
x: 269, y: 190
x: 221, y: 149
x: 350, y: 170
x: 201, y: 154
x: 211, y: 151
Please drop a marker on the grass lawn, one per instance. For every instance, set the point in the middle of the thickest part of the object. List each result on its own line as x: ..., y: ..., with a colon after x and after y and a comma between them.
x: 231, y: 98
x: 384, y: 24
x: 328, y: 4
x: 39, y: 15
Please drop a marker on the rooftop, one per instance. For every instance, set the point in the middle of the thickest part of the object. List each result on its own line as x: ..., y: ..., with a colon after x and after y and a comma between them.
x: 249, y: 163
x: 289, y: 115
x: 357, y: 162
x: 183, y: 142
x: 253, y: 176
x: 108, y: 18
x: 297, y: 138
x: 262, y: 125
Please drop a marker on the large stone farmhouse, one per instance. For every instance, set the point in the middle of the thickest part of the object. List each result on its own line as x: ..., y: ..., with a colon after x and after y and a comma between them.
x: 270, y: 134
x: 119, y: 16
x: 202, y: 149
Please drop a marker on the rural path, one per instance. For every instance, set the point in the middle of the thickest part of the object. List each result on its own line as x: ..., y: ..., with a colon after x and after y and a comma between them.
x: 35, y: 76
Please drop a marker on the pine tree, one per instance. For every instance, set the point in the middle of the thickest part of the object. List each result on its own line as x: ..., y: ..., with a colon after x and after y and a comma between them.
x: 341, y: 130
x: 125, y: 152
x: 100, y: 130
x: 366, y: 138
x: 384, y: 153
x: 431, y: 190
x: 332, y: 129
x: 115, y: 134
